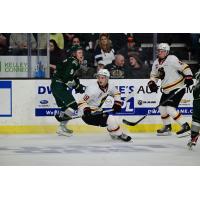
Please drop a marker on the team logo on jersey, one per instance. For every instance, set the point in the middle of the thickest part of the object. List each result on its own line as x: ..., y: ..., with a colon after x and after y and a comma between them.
x: 75, y: 62
x: 64, y: 60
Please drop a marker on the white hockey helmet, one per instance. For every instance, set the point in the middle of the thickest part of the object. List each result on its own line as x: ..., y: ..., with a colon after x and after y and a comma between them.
x: 164, y: 47
x: 104, y: 72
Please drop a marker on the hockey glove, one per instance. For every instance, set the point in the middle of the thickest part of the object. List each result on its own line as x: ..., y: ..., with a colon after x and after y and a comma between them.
x: 152, y: 86
x: 161, y: 73
x: 80, y: 88
x: 117, y: 106
x: 87, y: 111
x: 188, y: 80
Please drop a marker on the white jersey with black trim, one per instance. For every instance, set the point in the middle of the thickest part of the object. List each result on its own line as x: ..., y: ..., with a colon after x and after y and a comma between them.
x: 94, y: 96
x: 173, y: 69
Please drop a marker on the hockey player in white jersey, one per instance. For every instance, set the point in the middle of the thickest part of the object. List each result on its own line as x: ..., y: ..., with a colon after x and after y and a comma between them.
x: 174, y: 75
x: 93, y: 99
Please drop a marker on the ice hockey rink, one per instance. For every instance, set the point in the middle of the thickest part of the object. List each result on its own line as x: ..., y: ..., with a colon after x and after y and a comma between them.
x: 96, y: 149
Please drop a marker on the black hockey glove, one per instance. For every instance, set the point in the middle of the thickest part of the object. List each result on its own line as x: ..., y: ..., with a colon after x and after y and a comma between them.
x: 87, y: 111
x: 161, y: 73
x: 152, y: 86
x: 117, y: 106
x: 188, y: 80
x: 80, y: 88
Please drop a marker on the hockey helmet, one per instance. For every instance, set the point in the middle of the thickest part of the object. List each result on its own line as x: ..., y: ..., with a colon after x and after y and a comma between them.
x: 104, y: 72
x: 163, y: 46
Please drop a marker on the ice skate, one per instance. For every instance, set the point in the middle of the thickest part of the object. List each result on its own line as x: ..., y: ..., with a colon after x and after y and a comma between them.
x: 114, y: 137
x: 165, y: 131
x: 63, y: 130
x: 124, y: 137
x: 192, y: 142
x: 184, y: 132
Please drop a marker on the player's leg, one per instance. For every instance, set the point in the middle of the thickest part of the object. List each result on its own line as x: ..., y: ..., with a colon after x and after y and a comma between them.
x: 166, y: 130
x: 195, y: 131
x: 176, y: 115
x: 65, y: 114
x: 104, y: 120
x: 68, y: 105
x: 171, y: 106
x: 63, y: 130
x: 115, y: 130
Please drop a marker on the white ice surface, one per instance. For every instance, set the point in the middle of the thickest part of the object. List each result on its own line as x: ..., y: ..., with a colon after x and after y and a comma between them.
x: 96, y: 149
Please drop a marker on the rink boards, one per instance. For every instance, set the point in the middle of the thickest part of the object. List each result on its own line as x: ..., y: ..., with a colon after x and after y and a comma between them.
x: 27, y: 106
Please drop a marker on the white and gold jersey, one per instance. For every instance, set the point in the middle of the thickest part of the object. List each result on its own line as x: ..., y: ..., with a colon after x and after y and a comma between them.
x: 174, y: 73
x: 94, y: 97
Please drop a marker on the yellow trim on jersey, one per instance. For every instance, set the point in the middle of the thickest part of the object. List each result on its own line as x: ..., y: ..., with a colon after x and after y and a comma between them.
x: 171, y: 85
x: 185, y: 67
x: 117, y: 94
x: 165, y: 116
x: 177, y: 116
x: 81, y: 104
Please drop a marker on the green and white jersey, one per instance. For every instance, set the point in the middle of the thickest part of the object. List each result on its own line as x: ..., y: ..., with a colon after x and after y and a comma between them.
x: 66, y: 71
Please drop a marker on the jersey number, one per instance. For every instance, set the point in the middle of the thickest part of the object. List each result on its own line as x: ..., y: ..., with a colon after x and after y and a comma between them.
x: 86, y: 97
x: 72, y: 71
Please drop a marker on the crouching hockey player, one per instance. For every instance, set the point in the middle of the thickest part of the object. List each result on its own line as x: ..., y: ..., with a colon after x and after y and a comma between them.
x: 63, y: 81
x: 94, y: 97
x: 195, y: 129
x: 174, y: 75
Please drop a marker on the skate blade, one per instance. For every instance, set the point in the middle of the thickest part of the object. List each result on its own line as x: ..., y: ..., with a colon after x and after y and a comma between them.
x: 186, y: 134
x: 164, y: 134
x: 64, y: 134
x: 120, y: 140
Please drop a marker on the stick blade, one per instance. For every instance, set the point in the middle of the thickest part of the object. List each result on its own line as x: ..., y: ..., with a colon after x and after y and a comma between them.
x: 129, y: 123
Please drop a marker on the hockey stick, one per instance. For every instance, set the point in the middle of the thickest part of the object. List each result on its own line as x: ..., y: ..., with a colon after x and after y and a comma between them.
x: 135, y: 123
x: 93, y: 114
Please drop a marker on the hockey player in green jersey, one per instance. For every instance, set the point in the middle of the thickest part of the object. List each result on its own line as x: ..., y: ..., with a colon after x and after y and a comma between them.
x: 195, y: 129
x: 63, y: 82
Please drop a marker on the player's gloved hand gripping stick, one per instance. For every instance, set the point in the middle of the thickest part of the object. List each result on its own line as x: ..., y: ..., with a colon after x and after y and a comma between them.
x: 135, y: 123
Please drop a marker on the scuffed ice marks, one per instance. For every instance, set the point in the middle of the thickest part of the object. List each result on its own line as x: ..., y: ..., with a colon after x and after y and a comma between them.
x: 83, y: 149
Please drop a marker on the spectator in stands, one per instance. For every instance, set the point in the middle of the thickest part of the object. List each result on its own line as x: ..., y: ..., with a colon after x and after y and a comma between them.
x: 57, y: 55
x: 136, y: 69
x: 100, y: 65
x: 118, y: 40
x: 58, y: 37
x: 104, y: 50
x: 85, y: 71
x: 129, y: 48
x: 76, y: 41
x: 117, y: 68
x: 19, y: 43
x: 4, y: 43
x: 41, y: 40
x: 68, y: 40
